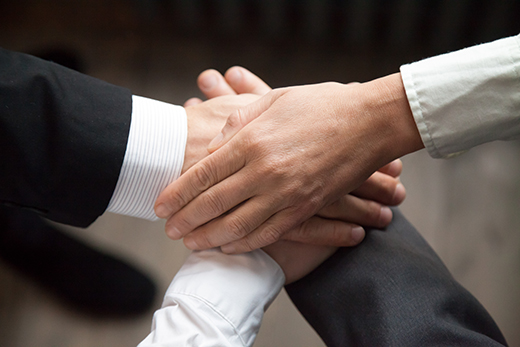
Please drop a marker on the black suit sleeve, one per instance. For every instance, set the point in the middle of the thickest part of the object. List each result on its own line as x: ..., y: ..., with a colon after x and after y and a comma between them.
x: 63, y: 137
x: 392, y: 290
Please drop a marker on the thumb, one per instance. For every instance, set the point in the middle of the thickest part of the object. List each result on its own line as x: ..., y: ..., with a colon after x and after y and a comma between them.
x: 243, y: 116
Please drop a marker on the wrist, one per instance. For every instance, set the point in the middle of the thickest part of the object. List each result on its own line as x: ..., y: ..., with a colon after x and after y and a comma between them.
x: 388, y: 104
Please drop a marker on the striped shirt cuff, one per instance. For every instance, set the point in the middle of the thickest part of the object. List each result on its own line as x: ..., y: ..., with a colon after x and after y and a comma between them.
x: 153, y: 159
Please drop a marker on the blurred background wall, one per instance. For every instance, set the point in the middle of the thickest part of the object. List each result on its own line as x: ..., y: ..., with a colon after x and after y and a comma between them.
x: 468, y: 208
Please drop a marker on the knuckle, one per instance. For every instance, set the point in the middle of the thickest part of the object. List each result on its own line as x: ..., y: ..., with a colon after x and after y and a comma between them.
x: 235, y: 119
x: 313, y: 204
x: 256, y: 142
x: 309, y: 208
x: 329, y: 233
x: 304, y: 233
x: 176, y: 199
x: 182, y: 223
x: 338, y: 235
x: 203, y: 177
x: 211, y: 204
x: 271, y: 235
x: 277, y: 165
x: 238, y: 227
x: 248, y: 244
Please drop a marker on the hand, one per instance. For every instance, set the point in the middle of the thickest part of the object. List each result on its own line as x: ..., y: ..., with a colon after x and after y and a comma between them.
x: 296, y: 259
x: 187, y: 220
x: 205, y: 119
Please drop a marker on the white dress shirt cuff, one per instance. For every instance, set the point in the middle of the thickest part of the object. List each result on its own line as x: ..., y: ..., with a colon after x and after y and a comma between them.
x: 217, y: 300
x: 462, y: 99
x: 153, y: 159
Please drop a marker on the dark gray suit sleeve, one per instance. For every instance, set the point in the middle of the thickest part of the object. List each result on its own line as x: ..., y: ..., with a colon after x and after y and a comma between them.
x: 63, y: 137
x: 392, y: 290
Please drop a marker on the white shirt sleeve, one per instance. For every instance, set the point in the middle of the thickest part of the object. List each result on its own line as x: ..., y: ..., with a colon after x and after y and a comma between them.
x: 462, y: 99
x: 153, y: 159
x: 216, y: 300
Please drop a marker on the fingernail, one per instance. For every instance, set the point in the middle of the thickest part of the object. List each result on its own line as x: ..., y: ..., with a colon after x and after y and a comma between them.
x: 174, y: 233
x: 162, y: 211
x: 399, y: 194
x: 229, y: 248
x: 386, y: 216
x: 358, y: 234
x: 208, y: 83
x: 234, y: 76
x: 214, y: 143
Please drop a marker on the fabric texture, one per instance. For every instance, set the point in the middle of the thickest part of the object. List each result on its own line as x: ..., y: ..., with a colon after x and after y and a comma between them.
x: 153, y: 158
x: 466, y: 98
x: 216, y: 300
x: 63, y: 137
x: 392, y: 290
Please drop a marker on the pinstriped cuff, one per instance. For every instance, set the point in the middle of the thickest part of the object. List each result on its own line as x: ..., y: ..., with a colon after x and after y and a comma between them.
x: 153, y: 159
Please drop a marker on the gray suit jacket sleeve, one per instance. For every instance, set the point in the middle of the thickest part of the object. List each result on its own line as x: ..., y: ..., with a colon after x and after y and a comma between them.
x: 392, y: 290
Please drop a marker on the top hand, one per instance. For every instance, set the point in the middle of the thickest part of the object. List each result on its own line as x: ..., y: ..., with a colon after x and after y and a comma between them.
x: 276, y: 144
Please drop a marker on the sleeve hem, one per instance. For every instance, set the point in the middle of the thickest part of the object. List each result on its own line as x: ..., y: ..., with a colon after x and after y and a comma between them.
x: 154, y: 157
x: 415, y: 106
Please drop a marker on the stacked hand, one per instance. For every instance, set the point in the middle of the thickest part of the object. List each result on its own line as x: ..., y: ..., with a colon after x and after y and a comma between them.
x: 209, y: 224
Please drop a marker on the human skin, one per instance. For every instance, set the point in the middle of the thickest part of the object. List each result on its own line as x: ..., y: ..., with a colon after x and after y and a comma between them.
x: 300, y: 150
x: 296, y: 259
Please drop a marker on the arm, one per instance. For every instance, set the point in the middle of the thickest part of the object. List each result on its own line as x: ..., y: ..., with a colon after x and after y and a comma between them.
x: 338, y: 223
x: 219, y: 300
x: 74, y: 146
x: 279, y: 196
x: 392, y: 290
x: 49, y: 115
x: 336, y: 136
x: 216, y: 300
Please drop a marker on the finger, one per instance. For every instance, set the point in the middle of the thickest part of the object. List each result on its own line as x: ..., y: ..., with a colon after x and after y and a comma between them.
x: 393, y: 168
x: 209, y: 205
x: 233, y: 226
x: 358, y: 211
x: 197, y: 179
x: 241, y: 117
x: 269, y: 232
x: 315, y: 230
x: 326, y: 232
x: 192, y: 102
x: 381, y: 188
x: 244, y: 81
x: 212, y: 84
